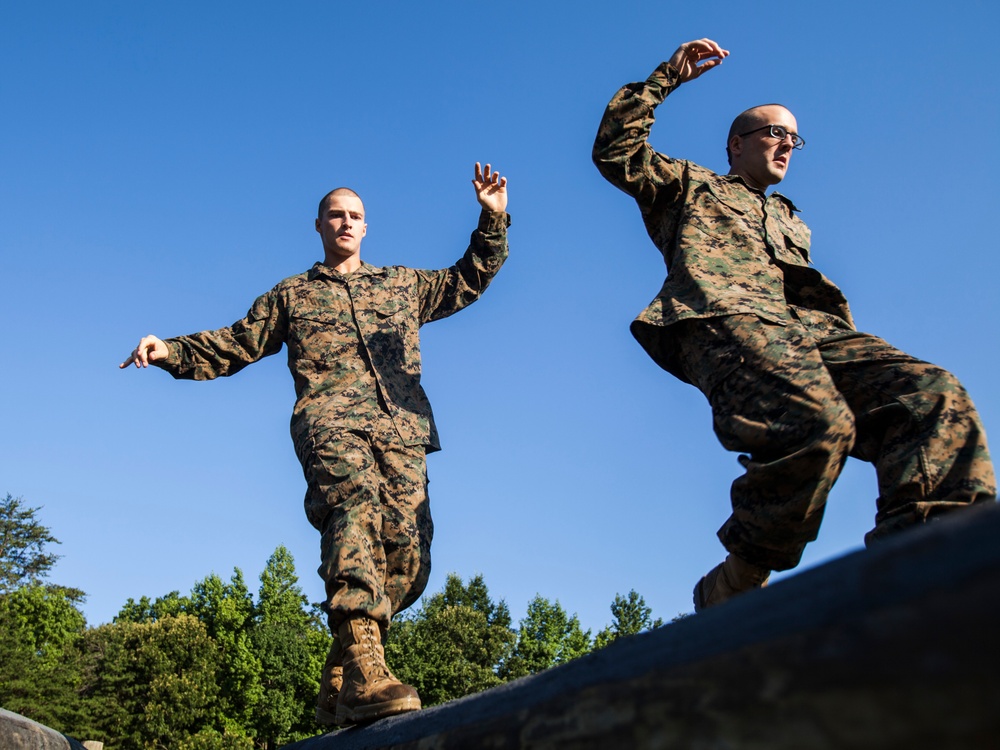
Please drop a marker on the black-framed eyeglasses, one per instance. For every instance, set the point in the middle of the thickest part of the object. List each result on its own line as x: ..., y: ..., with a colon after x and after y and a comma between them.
x: 780, y: 132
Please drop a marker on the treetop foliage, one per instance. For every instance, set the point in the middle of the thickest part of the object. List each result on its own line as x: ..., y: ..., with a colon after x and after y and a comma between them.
x: 217, y: 668
x: 23, y: 559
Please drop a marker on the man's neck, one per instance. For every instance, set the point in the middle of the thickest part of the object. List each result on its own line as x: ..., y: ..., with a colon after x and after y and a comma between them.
x: 749, y: 180
x: 350, y: 264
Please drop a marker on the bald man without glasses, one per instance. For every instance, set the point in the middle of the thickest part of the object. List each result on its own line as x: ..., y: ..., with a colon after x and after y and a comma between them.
x: 361, y: 424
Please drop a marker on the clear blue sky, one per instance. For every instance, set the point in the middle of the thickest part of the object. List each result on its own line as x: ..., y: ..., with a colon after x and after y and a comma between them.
x: 160, y: 167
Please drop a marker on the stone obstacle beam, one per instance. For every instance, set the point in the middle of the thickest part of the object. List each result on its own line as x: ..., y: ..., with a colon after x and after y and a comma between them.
x: 893, y: 647
x: 20, y: 733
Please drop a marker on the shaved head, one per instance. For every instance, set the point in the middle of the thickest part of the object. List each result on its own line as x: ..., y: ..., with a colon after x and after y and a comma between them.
x: 746, y: 121
x: 335, y: 191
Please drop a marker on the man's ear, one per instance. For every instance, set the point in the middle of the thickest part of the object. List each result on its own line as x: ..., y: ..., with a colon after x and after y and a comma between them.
x: 317, y: 225
x: 735, y: 145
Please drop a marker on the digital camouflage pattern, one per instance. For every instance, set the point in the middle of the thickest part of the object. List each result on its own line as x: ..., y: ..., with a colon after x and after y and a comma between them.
x: 353, y: 340
x: 798, y: 399
x: 362, y: 423
x: 729, y: 249
x: 368, y: 498
x: 771, y: 343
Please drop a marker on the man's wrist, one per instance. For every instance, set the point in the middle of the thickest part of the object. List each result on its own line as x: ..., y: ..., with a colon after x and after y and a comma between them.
x: 173, y: 357
x: 493, y: 221
x: 665, y: 78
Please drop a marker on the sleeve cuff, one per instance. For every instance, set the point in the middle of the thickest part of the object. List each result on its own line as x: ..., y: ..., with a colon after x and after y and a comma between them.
x: 664, y: 79
x: 173, y: 356
x: 493, y: 222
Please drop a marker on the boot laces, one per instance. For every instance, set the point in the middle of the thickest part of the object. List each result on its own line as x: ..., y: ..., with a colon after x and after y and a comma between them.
x: 373, y: 642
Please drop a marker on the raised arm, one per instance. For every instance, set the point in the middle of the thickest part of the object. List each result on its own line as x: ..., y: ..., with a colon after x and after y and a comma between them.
x: 621, y: 150
x: 447, y: 291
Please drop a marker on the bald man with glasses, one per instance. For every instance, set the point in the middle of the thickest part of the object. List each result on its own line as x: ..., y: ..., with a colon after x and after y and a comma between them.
x: 793, y: 386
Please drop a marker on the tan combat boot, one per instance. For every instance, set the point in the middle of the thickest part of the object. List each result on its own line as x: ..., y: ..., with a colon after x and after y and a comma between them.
x: 726, y: 580
x: 329, y: 686
x: 370, y: 691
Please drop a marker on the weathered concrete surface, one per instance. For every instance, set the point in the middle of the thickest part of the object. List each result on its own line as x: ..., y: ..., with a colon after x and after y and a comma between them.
x: 20, y: 733
x: 894, y: 647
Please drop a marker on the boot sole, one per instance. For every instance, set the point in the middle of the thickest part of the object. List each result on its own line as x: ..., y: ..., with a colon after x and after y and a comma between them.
x: 324, y: 718
x: 366, y: 714
x: 701, y: 601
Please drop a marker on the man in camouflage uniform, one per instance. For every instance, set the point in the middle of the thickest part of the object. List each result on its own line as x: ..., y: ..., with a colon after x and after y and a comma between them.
x: 361, y: 425
x: 771, y: 343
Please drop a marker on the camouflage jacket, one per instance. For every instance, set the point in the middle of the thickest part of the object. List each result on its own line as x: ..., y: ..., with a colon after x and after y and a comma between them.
x: 353, y: 339
x: 728, y: 248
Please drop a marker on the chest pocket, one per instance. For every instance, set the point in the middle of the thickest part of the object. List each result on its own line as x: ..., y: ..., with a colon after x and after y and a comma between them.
x: 724, y: 194
x: 321, y: 333
x: 789, y: 230
x: 796, y: 237
x: 728, y: 212
x: 385, y: 320
x: 724, y: 229
x: 386, y: 303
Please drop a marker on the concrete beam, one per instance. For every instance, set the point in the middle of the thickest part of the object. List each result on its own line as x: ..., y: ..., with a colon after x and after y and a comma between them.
x: 894, y: 647
x: 20, y: 733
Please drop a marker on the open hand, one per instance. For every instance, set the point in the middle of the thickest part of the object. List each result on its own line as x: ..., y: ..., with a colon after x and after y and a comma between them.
x: 491, y: 189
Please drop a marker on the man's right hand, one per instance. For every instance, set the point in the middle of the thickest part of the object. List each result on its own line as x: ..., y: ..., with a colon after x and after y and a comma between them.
x: 149, y: 350
x: 693, y: 58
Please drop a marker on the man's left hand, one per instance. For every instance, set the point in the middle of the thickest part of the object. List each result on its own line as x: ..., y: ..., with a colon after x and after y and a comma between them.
x: 491, y: 189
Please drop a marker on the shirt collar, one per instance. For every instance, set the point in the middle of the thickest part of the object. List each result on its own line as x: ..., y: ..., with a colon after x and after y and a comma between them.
x: 773, y: 194
x: 786, y: 199
x: 321, y: 269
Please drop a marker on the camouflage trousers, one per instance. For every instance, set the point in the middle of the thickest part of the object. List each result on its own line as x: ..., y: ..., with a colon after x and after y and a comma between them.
x: 798, y: 399
x: 367, y: 496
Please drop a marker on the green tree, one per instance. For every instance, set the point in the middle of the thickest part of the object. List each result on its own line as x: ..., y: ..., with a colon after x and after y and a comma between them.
x: 291, y: 642
x: 454, y: 645
x: 227, y: 611
x: 38, y: 623
x: 631, y: 616
x: 23, y: 559
x: 268, y: 656
x: 153, y: 684
x: 547, y: 636
x: 146, y: 610
x: 475, y: 595
x: 39, y: 669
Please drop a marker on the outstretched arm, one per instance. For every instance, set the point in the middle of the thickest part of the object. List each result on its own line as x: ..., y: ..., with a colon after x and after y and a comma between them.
x: 149, y: 349
x: 224, y: 351
x: 491, y: 189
